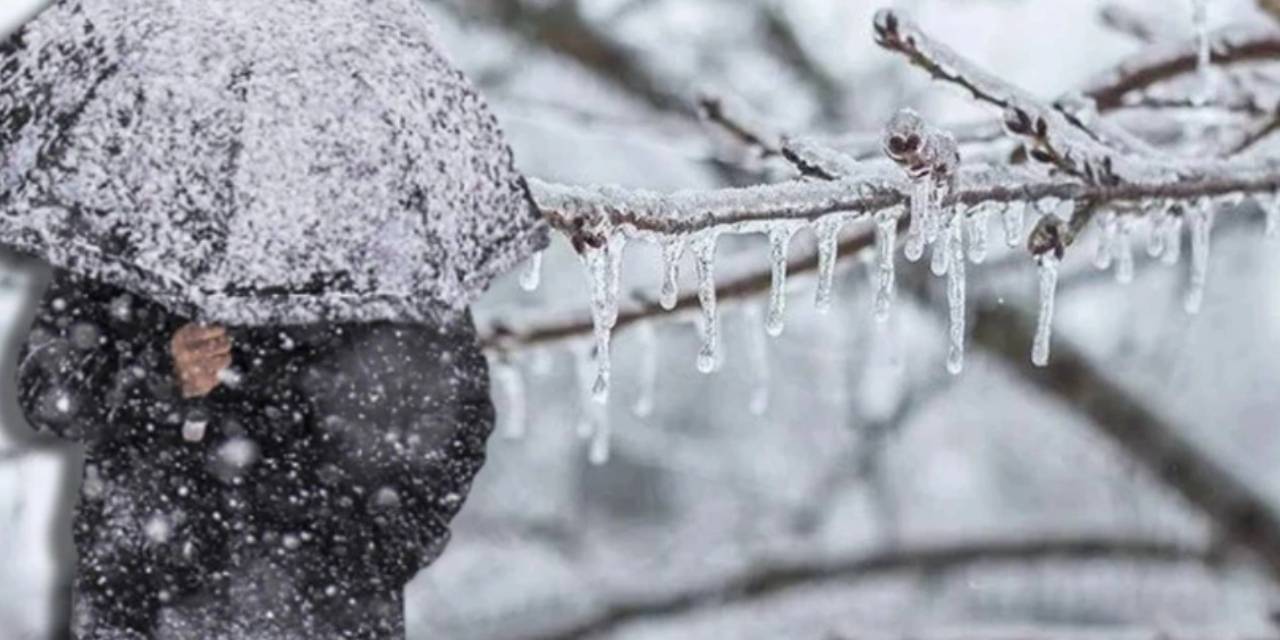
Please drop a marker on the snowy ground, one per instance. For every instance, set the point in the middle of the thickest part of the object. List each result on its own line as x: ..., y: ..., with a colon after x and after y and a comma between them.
x: 702, y: 489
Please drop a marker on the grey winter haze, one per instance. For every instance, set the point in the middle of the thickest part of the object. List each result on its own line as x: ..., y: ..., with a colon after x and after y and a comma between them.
x: 897, y: 319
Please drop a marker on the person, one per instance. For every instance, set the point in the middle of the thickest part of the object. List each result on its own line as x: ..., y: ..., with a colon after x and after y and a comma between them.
x: 269, y: 483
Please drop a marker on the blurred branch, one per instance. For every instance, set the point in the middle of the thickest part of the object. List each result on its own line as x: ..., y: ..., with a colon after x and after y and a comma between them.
x: 1271, y: 7
x: 1145, y: 28
x: 771, y: 578
x: 787, y: 45
x: 1243, y: 517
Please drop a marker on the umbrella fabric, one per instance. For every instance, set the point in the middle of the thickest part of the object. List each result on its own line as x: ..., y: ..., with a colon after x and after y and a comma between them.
x: 257, y: 163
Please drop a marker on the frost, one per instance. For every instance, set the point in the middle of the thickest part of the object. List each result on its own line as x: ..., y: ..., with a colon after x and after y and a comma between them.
x: 672, y: 251
x: 1202, y: 214
x: 531, y: 277
x: 1014, y: 218
x: 1048, y: 268
x: 779, y: 243
x: 645, y: 399
x: 704, y: 248
x: 827, y: 231
x: 886, y: 279
x: 978, y: 221
x: 956, y: 294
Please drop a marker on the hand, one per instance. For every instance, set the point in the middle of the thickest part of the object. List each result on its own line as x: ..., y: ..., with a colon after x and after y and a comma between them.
x: 200, y: 353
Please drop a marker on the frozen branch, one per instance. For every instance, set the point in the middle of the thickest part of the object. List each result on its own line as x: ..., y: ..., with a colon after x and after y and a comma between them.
x: 1243, y: 517
x: 769, y: 579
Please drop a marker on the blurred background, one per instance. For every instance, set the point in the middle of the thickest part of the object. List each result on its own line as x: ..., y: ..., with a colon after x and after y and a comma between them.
x: 835, y: 482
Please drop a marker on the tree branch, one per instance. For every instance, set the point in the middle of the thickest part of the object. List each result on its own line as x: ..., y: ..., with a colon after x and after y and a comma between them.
x: 771, y: 579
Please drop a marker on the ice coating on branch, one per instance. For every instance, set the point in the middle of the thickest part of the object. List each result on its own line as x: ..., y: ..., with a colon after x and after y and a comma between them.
x: 779, y: 242
x: 531, y: 277
x: 1124, y: 251
x: 1013, y: 218
x: 978, y: 221
x: 758, y: 353
x: 509, y: 379
x: 1048, y: 269
x: 672, y: 251
x: 704, y: 251
x: 930, y: 159
x: 827, y: 231
x: 886, y: 279
x: 1202, y: 214
x: 646, y: 395
x: 956, y: 294
x: 1108, y: 225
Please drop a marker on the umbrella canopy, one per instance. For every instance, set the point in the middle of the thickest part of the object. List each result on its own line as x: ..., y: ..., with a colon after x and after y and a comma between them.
x: 257, y: 163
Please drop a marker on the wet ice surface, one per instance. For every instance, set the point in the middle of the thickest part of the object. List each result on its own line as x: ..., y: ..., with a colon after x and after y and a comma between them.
x: 282, y: 171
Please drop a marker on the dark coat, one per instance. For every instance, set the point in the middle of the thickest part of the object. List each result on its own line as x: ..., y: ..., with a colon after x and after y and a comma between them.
x: 333, y: 460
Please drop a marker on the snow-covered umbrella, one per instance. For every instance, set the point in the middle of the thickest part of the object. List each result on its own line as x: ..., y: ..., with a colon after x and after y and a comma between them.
x: 254, y: 163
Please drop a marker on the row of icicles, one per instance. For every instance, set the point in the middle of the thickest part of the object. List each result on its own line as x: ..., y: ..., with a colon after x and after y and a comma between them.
x: 956, y: 235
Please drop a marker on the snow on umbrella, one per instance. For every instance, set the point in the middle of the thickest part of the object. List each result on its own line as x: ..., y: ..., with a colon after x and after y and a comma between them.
x: 255, y: 163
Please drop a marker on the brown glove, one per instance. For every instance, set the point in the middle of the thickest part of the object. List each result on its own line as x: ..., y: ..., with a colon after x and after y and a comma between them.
x: 200, y: 353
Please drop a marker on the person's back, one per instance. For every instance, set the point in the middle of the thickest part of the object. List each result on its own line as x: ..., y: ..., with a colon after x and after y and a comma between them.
x: 293, y: 501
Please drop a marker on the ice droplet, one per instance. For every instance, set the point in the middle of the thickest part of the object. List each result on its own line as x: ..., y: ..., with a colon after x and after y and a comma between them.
x: 603, y: 308
x: 1048, y: 268
x: 1272, y: 206
x: 705, y: 253
x: 591, y: 414
x: 531, y: 277
x: 758, y: 352
x: 1202, y: 214
x: 672, y: 251
x: 978, y: 221
x: 647, y: 335
x: 1014, y: 217
x: 827, y: 231
x: 956, y: 294
x: 886, y: 279
x: 941, y: 253
x: 921, y: 218
x: 1156, y: 236
x: 779, y: 243
x: 600, y: 444
x: 1107, y: 228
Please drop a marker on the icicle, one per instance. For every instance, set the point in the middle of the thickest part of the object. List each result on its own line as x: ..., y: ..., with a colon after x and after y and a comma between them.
x: 531, y: 277
x: 956, y: 294
x: 705, y: 252
x: 779, y: 243
x: 1014, y: 217
x: 616, y: 248
x: 978, y: 221
x: 600, y: 444
x: 509, y: 378
x: 828, y: 233
x: 759, y: 355
x: 941, y: 253
x: 1044, y: 326
x: 1272, y: 205
x: 1156, y: 232
x: 1124, y: 252
x: 1107, y: 232
x: 1172, y: 239
x: 603, y: 312
x: 1201, y: 235
x: 922, y: 214
x: 645, y: 400
x: 886, y: 280
x: 672, y: 251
